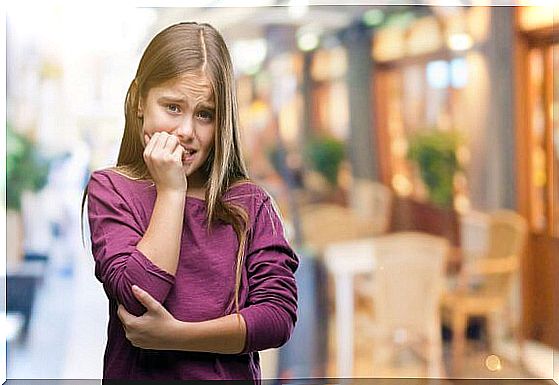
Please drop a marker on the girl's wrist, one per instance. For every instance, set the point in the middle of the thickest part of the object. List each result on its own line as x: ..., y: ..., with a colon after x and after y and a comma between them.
x: 180, y: 335
x: 171, y: 192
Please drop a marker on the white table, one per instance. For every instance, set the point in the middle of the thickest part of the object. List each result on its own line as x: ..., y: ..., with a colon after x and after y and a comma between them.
x: 344, y: 260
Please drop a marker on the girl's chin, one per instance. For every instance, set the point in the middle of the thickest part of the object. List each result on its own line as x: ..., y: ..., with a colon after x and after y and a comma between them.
x: 189, y: 168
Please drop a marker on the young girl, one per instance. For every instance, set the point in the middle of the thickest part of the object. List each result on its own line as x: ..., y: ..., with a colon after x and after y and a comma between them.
x: 191, y: 253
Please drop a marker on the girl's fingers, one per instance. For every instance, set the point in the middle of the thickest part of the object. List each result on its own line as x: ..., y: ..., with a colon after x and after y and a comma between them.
x: 163, y: 142
x: 146, y: 299
x: 177, y: 152
x: 175, y: 143
x: 171, y: 143
x: 157, y: 139
x: 124, y: 316
x: 164, y: 139
x: 151, y: 144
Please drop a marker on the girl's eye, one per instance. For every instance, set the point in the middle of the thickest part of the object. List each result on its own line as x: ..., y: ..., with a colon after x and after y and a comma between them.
x: 205, y: 115
x: 173, y: 108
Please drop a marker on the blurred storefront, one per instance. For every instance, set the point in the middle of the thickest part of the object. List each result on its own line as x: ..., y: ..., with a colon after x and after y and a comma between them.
x: 438, y: 76
x: 448, y: 71
x: 537, y: 165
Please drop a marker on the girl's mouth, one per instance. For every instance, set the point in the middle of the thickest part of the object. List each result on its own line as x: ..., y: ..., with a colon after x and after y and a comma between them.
x: 188, y: 156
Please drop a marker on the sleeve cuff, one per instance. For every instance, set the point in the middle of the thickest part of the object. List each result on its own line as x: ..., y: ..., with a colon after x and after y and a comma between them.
x: 151, y: 267
x: 266, y: 327
x: 144, y: 273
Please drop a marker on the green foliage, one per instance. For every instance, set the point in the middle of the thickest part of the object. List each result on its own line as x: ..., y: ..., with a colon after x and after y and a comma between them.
x: 434, y: 152
x: 325, y: 155
x: 26, y: 168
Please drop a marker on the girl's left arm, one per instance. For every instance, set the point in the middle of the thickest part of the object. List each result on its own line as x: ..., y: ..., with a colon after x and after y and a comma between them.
x: 157, y: 329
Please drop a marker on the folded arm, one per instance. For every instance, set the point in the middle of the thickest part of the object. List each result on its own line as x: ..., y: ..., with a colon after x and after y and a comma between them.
x: 158, y: 329
x: 266, y: 321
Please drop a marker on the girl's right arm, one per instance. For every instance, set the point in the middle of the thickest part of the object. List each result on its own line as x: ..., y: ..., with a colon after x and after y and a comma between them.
x: 124, y: 254
x: 116, y: 229
x: 161, y: 242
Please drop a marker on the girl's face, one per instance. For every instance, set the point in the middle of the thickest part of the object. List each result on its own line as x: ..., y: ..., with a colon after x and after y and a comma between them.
x: 183, y: 107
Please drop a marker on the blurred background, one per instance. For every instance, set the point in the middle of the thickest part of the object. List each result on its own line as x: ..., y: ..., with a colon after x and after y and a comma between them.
x: 412, y: 149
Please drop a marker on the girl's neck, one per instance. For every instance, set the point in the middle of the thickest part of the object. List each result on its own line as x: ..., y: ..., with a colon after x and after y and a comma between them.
x: 196, y: 192
x: 196, y: 186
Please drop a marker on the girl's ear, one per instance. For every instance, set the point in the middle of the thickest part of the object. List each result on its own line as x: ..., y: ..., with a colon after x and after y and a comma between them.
x: 140, y: 108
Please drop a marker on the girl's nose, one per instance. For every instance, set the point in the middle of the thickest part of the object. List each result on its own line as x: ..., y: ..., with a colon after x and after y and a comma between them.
x: 186, y: 128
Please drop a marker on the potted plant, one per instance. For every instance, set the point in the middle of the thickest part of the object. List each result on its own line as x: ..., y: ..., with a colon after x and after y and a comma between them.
x: 26, y: 170
x: 434, y: 153
x: 325, y: 155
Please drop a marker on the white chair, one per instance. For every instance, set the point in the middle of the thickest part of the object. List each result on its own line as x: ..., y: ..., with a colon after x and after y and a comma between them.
x: 474, y: 231
x: 418, y: 257
x: 372, y: 202
x: 269, y: 363
x: 408, y: 284
x: 486, y: 284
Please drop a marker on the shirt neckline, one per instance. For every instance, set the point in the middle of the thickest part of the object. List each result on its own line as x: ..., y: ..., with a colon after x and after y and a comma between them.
x: 195, y: 199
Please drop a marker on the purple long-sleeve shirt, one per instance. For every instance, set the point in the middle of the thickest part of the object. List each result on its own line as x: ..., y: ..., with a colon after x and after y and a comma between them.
x: 119, y: 211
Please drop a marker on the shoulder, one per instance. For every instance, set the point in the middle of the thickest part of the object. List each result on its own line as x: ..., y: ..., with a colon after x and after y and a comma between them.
x: 260, y: 204
x: 109, y: 182
x: 115, y: 177
x: 248, y: 193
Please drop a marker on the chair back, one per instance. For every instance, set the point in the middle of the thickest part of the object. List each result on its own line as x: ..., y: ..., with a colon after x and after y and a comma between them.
x: 506, y: 240
x: 408, y: 281
x: 507, y: 234
x: 474, y: 229
x: 323, y: 224
x: 372, y: 202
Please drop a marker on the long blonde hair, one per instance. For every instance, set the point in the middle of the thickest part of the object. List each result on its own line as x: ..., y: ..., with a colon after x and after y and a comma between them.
x: 192, y: 48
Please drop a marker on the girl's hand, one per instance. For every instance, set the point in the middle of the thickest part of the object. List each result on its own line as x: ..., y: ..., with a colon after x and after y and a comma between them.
x: 155, y: 329
x: 163, y: 157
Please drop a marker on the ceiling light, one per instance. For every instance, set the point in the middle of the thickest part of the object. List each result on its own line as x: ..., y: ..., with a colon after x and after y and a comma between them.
x: 460, y: 42
x: 307, y: 41
x: 297, y: 8
x: 249, y: 55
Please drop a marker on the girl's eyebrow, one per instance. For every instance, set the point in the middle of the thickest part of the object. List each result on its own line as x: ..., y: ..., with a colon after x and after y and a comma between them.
x: 178, y: 99
x: 207, y: 105
x: 171, y: 99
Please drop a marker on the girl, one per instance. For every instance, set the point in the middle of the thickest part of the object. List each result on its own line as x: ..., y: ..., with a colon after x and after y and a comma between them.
x: 191, y: 253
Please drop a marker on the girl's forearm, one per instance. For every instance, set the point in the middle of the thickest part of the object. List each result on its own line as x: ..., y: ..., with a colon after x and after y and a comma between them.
x: 161, y: 242
x: 225, y: 335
